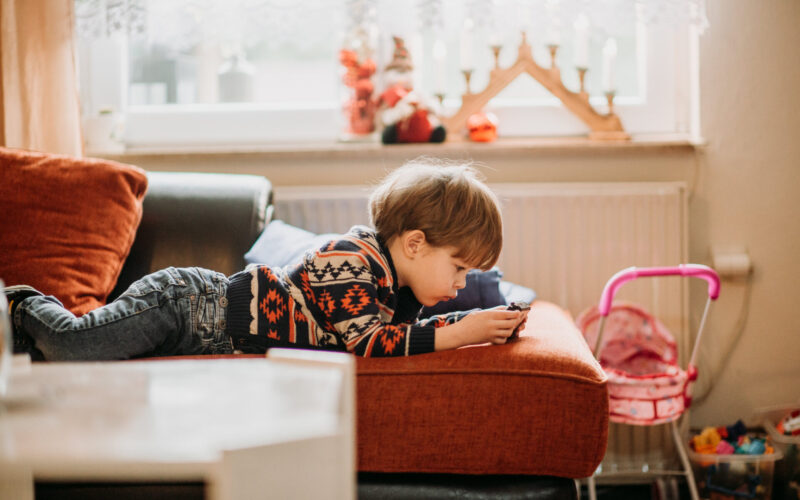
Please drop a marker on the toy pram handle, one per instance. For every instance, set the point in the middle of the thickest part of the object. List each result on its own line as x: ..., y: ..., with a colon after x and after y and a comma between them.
x: 631, y: 273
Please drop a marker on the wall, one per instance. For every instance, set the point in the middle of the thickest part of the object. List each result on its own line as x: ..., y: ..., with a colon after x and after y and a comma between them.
x: 744, y: 183
x: 747, y: 194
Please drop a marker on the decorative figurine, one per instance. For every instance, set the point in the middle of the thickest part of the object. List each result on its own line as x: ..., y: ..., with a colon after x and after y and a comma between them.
x: 359, y: 108
x: 405, y: 115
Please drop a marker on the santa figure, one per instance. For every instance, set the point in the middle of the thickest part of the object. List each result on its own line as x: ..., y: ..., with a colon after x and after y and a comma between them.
x: 406, y: 117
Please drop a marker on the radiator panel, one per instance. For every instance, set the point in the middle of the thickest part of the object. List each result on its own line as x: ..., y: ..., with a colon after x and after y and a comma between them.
x: 565, y: 241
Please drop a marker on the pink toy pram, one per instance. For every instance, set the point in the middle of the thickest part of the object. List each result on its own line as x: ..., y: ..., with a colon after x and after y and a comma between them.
x: 646, y: 386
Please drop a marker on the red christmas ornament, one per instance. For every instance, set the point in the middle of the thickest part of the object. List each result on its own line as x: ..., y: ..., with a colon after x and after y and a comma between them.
x: 482, y: 127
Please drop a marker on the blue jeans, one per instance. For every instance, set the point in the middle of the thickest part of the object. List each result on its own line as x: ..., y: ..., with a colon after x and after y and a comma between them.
x: 170, y: 312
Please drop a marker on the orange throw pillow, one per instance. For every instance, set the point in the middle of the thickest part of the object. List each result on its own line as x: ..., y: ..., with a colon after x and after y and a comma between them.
x: 67, y: 224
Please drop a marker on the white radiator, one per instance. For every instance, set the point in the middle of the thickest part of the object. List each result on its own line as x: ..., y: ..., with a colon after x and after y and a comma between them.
x: 565, y: 241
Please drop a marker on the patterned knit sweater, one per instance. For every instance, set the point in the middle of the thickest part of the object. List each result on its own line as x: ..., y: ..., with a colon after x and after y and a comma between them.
x: 343, y: 296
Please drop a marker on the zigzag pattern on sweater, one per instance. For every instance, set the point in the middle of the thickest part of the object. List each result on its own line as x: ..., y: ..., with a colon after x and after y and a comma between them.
x: 341, y: 296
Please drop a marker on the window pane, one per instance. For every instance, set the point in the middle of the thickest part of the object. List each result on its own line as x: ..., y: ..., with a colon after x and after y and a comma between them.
x: 255, y: 71
x: 282, y: 51
x: 235, y: 51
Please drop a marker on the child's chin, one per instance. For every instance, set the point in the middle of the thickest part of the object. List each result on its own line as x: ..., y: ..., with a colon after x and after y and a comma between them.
x: 433, y: 302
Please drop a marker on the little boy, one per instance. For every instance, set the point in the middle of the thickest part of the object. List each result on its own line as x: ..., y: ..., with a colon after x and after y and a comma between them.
x: 361, y: 293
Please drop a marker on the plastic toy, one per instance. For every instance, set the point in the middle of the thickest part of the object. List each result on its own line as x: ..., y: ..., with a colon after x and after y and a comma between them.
x: 639, y: 355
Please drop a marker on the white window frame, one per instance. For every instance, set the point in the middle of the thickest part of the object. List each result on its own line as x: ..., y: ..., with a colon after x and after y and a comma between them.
x: 664, y: 106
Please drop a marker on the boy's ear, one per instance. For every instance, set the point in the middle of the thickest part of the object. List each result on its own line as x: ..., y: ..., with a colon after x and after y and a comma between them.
x: 413, y: 242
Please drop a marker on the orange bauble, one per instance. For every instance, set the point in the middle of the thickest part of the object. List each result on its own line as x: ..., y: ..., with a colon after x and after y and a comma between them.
x: 482, y: 127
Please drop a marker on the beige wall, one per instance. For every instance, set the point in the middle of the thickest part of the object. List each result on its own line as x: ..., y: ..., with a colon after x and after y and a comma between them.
x: 747, y: 194
x: 744, y: 185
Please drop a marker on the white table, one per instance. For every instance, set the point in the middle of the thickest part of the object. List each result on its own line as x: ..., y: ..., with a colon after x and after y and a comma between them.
x: 243, y: 426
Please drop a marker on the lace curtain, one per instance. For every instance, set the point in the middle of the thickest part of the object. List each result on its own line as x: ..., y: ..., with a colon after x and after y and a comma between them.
x: 233, y: 24
x: 246, y: 22
x: 102, y: 18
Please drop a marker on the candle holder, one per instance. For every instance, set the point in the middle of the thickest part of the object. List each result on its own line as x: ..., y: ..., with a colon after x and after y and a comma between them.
x: 467, y: 76
x: 602, y: 126
x: 610, y: 98
x: 553, y: 48
x: 496, y: 51
x: 582, y: 80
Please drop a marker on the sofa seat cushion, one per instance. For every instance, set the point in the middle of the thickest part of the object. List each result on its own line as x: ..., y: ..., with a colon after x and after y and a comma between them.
x: 67, y: 224
x: 537, y: 406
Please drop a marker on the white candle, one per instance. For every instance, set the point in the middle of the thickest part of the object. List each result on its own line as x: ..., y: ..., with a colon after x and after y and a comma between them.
x: 466, y: 44
x: 581, y: 41
x: 553, y: 32
x: 439, y: 55
x: 552, y: 35
x: 609, y: 61
x: 495, y: 40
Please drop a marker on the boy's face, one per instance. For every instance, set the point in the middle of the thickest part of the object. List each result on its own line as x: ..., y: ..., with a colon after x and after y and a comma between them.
x: 437, y: 275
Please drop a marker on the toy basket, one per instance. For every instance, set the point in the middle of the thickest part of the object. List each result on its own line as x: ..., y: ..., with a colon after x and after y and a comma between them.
x: 736, y: 476
x: 787, y: 470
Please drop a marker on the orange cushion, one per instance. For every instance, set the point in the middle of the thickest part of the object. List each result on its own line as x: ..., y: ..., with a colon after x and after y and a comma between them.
x: 67, y: 224
x: 537, y: 405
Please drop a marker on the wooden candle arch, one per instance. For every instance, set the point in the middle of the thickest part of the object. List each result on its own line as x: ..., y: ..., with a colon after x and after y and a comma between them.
x: 603, y: 126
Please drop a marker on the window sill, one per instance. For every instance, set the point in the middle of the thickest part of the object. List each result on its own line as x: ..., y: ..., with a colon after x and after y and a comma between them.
x: 506, y: 146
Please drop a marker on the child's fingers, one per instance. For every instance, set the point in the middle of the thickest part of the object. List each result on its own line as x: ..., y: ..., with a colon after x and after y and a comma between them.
x: 501, y: 313
x: 506, y: 330
x: 506, y: 317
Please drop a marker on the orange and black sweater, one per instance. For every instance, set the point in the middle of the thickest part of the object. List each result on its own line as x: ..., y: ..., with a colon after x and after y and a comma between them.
x: 343, y: 296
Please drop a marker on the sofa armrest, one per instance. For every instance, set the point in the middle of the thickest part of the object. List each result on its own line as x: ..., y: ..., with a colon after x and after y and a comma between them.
x: 197, y: 219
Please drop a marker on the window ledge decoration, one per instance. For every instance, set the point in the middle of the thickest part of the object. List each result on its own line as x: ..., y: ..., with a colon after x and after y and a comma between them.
x: 238, y: 24
x: 603, y: 126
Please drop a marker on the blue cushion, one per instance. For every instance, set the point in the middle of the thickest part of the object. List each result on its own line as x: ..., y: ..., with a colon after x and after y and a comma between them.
x: 281, y: 244
x: 481, y: 291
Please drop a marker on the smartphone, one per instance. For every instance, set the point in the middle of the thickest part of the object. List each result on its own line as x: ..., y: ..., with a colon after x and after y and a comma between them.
x: 519, y: 306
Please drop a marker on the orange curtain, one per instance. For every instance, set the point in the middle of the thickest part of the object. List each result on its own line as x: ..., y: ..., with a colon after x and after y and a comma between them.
x: 39, y: 103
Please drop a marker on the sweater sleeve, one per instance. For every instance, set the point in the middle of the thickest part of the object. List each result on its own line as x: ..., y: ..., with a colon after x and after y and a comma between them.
x: 442, y: 320
x: 354, y: 313
x: 351, y: 293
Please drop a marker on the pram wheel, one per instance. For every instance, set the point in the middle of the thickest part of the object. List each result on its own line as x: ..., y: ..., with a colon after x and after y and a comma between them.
x: 665, y: 489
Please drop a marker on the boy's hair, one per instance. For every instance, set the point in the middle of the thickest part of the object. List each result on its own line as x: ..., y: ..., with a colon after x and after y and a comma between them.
x: 449, y: 203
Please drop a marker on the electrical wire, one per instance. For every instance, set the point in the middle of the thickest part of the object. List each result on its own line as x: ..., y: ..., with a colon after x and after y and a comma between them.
x: 738, y: 331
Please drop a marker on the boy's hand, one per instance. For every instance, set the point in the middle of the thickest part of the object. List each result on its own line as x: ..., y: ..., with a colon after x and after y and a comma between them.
x: 491, y: 325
